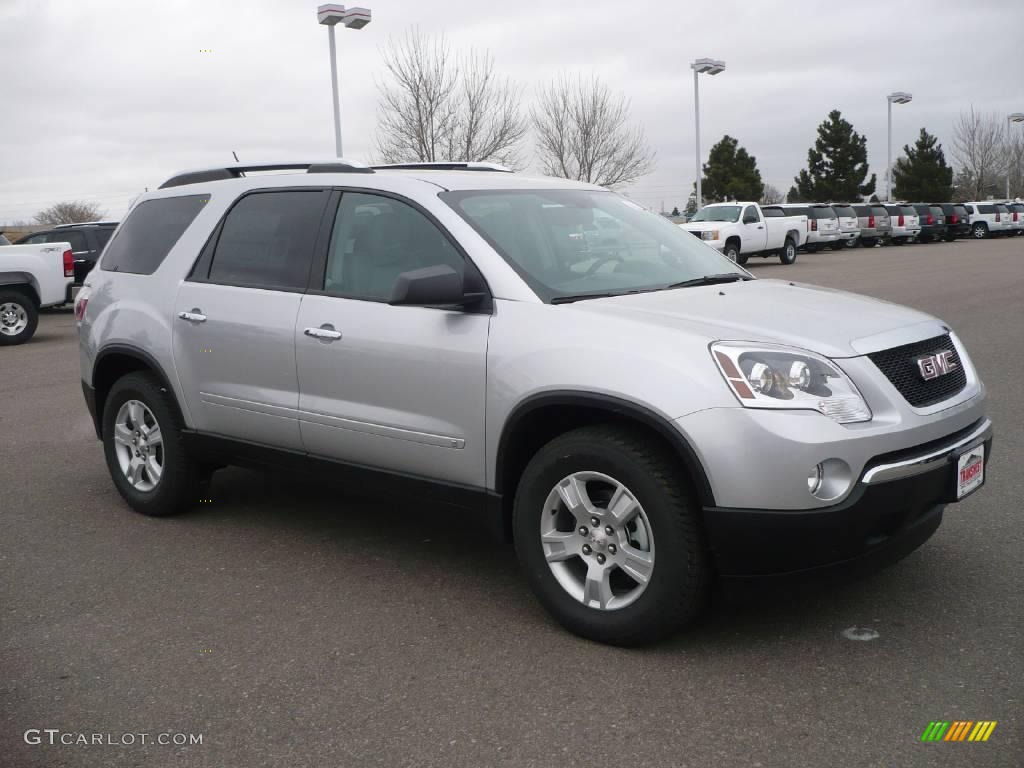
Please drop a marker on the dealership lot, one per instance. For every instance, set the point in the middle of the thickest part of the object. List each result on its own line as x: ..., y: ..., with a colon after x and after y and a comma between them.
x: 296, y: 625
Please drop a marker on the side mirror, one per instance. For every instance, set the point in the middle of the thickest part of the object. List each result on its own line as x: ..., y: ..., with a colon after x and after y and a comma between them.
x: 439, y: 285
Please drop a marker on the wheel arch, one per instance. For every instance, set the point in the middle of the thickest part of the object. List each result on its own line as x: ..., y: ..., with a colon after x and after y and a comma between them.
x: 117, y: 360
x: 540, y: 418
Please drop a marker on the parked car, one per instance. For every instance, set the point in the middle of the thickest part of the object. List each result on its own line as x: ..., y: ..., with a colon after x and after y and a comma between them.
x: 87, y: 241
x: 933, y: 222
x: 985, y: 219
x: 822, y: 222
x: 1005, y: 218
x: 957, y: 220
x: 1016, y: 216
x: 849, y: 224
x: 742, y: 230
x: 905, y: 224
x: 873, y: 221
x: 445, y: 333
x: 31, y: 277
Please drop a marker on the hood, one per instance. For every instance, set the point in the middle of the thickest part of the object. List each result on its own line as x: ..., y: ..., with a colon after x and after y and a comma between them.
x: 832, y: 323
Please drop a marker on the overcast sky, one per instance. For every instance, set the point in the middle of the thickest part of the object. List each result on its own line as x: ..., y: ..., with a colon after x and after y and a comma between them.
x: 102, y: 98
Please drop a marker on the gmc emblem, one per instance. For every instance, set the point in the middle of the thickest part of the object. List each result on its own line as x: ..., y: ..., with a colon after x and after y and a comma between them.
x: 939, y: 364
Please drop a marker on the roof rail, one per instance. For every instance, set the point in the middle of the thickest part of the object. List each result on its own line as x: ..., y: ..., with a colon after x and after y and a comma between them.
x: 240, y: 169
x: 85, y: 224
x: 445, y: 166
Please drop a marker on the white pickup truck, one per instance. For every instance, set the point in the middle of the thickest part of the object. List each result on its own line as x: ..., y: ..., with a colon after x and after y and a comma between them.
x: 742, y: 230
x: 31, y: 277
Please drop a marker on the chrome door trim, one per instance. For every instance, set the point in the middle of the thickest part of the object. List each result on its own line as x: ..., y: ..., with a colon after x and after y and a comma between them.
x: 382, y: 430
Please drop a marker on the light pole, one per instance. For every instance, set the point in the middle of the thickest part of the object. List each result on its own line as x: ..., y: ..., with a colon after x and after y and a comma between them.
x: 330, y: 15
x: 899, y: 97
x: 1016, y: 117
x: 707, y: 67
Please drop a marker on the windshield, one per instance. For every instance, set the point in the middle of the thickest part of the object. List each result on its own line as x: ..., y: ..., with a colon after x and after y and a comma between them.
x: 580, y: 243
x: 843, y: 210
x: 718, y: 213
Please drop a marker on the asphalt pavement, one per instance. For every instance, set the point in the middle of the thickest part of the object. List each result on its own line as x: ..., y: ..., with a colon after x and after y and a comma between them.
x: 288, y: 624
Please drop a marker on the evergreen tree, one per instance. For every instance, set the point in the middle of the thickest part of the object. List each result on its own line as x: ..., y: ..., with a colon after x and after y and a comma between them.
x: 691, y: 203
x: 837, y: 164
x: 675, y: 211
x: 793, y: 196
x: 731, y: 173
x: 923, y: 174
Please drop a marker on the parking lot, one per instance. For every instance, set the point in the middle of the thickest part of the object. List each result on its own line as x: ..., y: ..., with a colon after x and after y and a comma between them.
x: 297, y: 625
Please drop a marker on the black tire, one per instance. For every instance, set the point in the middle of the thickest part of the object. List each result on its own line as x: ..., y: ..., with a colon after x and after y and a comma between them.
x: 742, y: 259
x: 788, y: 253
x: 949, y: 238
x: 732, y: 251
x: 677, y: 590
x: 22, y: 310
x: 868, y: 242
x: 897, y: 241
x: 979, y: 231
x: 181, y: 479
x: 851, y: 243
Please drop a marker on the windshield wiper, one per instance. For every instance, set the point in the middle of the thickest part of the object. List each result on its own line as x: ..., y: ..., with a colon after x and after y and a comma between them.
x: 583, y: 296
x: 729, y: 277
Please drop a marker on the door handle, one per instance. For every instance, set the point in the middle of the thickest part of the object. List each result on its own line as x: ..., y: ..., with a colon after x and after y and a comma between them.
x: 760, y: 226
x: 325, y: 332
x: 195, y: 316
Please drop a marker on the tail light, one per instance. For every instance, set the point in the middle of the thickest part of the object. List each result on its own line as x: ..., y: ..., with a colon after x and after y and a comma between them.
x: 814, y: 225
x: 80, y: 305
x: 997, y: 217
x: 953, y: 218
x: 931, y: 219
x: 1016, y: 216
x: 871, y: 222
x: 69, y: 264
x: 899, y: 221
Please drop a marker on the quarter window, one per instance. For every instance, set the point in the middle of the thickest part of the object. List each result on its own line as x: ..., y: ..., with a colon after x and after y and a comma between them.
x: 377, y: 238
x: 149, y: 233
x: 267, y: 240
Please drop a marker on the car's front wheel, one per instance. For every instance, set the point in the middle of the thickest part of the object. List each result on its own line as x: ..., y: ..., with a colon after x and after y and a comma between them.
x: 609, y: 538
x: 732, y: 251
x: 18, y: 318
x: 144, y: 448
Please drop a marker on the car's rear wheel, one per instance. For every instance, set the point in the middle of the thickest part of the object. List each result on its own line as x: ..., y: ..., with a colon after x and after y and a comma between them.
x: 788, y: 253
x: 851, y: 243
x: 868, y: 242
x: 979, y: 231
x: 741, y: 259
x: 608, y: 537
x: 18, y: 318
x: 144, y: 447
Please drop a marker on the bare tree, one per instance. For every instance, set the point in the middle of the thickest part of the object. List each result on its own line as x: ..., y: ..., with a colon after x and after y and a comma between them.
x: 437, y: 106
x: 583, y: 133
x: 70, y: 213
x: 979, y: 153
x: 770, y: 195
x: 1014, y: 161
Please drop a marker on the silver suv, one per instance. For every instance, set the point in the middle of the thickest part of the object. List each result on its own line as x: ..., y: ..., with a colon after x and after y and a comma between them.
x: 637, y: 412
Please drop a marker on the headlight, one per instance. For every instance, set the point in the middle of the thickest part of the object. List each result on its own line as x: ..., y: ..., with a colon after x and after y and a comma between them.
x: 711, y: 234
x: 766, y: 376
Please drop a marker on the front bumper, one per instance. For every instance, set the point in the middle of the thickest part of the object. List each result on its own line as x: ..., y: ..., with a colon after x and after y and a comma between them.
x: 895, y: 507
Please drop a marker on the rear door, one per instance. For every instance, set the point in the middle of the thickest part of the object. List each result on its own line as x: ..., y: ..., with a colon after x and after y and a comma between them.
x: 234, y: 324
x: 400, y: 387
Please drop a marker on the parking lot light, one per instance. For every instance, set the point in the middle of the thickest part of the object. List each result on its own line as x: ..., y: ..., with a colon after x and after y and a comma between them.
x: 1015, y: 117
x: 330, y: 15
x: 699, y: 67
x: 896, y: 97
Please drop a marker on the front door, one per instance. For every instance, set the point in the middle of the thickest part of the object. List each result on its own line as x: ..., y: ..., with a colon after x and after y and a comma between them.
x: 234, y: 319
x: 396, y: 387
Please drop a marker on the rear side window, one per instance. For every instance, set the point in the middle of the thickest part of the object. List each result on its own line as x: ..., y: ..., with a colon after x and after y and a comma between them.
x: 843, y: 210
x: 986, y: 208
x: 773, y: 213
x: 75, y: 239
x: 798, y: 211
x: 149, y: 233
x: 267, y: 240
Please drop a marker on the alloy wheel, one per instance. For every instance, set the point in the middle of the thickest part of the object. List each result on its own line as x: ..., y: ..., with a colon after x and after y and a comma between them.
x: 597, y: 540
x: 138, y: 442
x: 13, y: 318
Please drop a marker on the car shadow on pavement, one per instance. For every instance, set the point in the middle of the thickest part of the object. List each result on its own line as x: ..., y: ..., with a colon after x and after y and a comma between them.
x: 448, y: 545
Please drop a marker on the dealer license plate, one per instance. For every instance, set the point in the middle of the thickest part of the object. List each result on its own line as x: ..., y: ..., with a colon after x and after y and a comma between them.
x: 970, y: 471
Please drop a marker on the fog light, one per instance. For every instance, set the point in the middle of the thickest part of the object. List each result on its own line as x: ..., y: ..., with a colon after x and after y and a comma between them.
x: 814, y: 478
